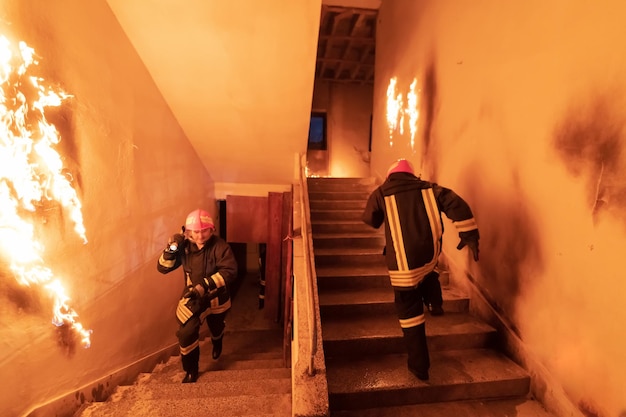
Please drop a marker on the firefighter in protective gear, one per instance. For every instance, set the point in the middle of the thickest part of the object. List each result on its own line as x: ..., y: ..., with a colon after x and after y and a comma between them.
x: 411, y: 210
x: 209, y: 268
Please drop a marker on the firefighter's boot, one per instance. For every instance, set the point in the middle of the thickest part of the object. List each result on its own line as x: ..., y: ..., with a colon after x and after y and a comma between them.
x: 419, y: 359
x: 217, y: 347
x: 190, y: 365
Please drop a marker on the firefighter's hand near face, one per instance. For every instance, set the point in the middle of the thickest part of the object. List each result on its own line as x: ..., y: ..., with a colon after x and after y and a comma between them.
x: 176, y: 242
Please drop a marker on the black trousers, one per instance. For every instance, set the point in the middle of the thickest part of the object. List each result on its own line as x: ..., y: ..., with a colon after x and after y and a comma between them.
x: 431, y: 288
x: 189, y: 338
x: 410, y: 309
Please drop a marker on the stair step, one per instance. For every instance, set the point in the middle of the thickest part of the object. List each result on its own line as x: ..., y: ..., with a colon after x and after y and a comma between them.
x: 524, y: 407
x: 368, y: 301
x: 339, y: 184
x: 337, y: 204
x: 220, y: 383
x: 340, y: 276
x: 368, y: 381
x: 327, y: 283
x: 361, y: 195
x: 330, y: 214
x: 374, y: 240
x: 349, y: 272
x: 348, y: 256
x: 381, y: 334
x: 340, y: 226
x: 206, y: 404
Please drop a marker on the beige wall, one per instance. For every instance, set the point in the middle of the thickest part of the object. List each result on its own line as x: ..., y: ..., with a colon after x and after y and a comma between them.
x: 348, y: 110
x: 136, y: 176
x: 522, y: 112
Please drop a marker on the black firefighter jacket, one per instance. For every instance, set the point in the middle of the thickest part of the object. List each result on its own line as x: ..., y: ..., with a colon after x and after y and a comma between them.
x: 411, y: 210
x: 214, y: 267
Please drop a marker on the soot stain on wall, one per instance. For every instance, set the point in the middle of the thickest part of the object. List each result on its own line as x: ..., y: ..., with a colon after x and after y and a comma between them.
x: 590, y: 141
x: 510, y: 239
x: 430, y: 99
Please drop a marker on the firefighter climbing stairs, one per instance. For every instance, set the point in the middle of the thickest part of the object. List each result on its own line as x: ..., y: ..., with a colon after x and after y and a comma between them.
x: 366, y: 360
x: 249, y: 379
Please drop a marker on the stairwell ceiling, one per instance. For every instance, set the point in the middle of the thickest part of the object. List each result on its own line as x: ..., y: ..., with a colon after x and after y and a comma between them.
x: 238, y: 75
x: 347, y: 45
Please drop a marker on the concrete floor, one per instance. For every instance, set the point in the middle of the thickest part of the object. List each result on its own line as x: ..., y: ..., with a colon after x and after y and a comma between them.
x: 245, y: 313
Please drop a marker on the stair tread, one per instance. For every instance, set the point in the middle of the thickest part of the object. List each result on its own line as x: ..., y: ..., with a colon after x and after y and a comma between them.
x: 349, y: 235
x: 348, y: 271
x: 224, y: 368
x: 350, y: 251
x: 210, y: 382
x: 340, y: 221
x: 386, y: 325
x: 372, y: 373
x: 519, y: 407
x: 369, y: 295
x: 134, y: 404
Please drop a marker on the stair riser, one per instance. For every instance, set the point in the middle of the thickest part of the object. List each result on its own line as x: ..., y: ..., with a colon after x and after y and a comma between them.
x: 339, y: 227
x: 338, y: 195
x: 348, y: 260
x: 332, y: 215
x: 340, y: 184
x: 328, y: 282
x: 339, y: 282
x: 373, y: 345
x: 430, y: 394
x: 337, y: 205
x: 369, y: 242
x: 451, y: 306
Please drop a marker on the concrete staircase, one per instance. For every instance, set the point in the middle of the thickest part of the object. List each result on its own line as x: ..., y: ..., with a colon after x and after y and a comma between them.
x: 249, y: 379
x: 365, y: 354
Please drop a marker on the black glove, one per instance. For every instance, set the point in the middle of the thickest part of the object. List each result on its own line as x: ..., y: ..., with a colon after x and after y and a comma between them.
x: 175, y: 242
x: 192, y: 292
x: 472, y: 244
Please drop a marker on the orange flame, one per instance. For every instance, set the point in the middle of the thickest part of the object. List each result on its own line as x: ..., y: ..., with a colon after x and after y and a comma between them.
x: 31, y: 171
x: 396, y: 110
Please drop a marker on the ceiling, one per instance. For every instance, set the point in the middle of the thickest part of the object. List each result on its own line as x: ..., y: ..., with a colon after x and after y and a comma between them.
x: 226, y: 68
x: 347, y: 45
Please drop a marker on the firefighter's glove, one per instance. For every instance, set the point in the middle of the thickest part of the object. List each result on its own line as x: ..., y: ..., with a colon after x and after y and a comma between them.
x: 194, y: 292
x: 175, y: 242
x: 472, y: 244
x: 213, y: 284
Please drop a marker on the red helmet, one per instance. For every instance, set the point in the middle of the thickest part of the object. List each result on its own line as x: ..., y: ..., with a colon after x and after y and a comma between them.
x: 401, y: 165
x: 199, y: 220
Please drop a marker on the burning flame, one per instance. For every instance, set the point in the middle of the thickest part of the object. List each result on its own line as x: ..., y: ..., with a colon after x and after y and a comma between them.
x: 31, y: 172
x: 412, y: 111
x: 396, y: 110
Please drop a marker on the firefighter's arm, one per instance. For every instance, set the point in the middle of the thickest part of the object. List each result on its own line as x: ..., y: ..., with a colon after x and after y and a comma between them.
x: 373, y: 213
x: 457, y: 210
x: 170, y: 257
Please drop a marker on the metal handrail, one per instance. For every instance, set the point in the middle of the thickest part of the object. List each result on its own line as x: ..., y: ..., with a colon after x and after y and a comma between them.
x: 307, y: 242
